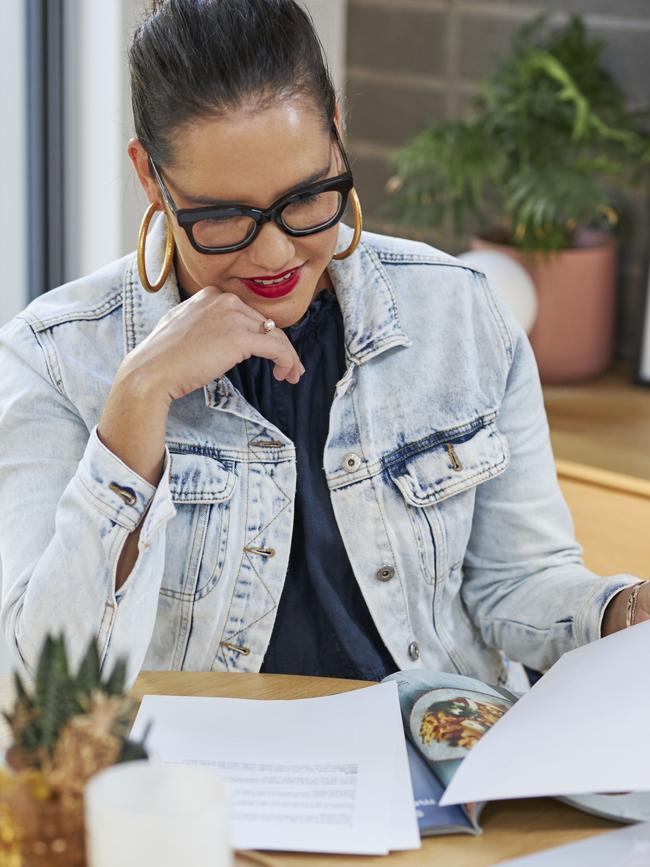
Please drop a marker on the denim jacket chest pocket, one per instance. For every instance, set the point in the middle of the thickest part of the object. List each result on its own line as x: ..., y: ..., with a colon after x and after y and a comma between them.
x: 201, y: 488
x: 437, y: 478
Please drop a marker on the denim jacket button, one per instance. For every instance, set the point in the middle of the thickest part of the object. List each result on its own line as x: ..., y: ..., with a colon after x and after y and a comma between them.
x: 414, y: 651
x: 351, y: 462
x: 385, y: 573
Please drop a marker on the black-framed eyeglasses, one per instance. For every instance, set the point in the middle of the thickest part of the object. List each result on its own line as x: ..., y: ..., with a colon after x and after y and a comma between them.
x: 305, y: 211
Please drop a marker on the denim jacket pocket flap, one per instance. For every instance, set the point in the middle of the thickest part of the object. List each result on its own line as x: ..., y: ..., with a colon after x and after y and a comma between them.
x: 199, y: 479
x: 448, y: 463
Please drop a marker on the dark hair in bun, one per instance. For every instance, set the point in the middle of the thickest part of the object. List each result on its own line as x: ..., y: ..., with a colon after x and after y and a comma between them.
x: 193, y: 59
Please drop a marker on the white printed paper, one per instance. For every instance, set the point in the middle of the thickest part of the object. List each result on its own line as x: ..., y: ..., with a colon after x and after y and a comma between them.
x: 581, y: 728
x: 325, y: 774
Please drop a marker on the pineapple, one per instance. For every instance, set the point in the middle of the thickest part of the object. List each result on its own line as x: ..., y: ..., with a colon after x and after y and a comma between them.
x: 72, y: 725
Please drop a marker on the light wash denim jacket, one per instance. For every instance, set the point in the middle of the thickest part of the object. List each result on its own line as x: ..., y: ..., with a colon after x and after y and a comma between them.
x: 438, y: 462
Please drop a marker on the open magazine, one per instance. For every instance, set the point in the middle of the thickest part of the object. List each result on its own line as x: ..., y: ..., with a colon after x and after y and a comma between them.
x: 444, y: 716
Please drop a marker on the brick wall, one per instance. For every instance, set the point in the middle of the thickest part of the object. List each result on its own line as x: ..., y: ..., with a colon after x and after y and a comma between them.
x: 413, y: 61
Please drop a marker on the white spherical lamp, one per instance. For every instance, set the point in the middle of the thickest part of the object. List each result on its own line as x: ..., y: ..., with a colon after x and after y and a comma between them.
x: 510, y: 279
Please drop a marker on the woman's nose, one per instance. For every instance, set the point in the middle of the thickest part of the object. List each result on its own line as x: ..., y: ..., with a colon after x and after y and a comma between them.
x: 272, y: 249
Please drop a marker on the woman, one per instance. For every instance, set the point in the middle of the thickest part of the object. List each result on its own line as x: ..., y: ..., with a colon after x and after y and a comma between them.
x: 241, y: 449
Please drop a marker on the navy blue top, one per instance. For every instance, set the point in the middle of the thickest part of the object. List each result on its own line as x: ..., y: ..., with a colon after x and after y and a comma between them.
x: 323, y: 626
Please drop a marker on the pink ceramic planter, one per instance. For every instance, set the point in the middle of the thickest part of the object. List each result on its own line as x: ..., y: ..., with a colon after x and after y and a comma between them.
x: 573, y: 335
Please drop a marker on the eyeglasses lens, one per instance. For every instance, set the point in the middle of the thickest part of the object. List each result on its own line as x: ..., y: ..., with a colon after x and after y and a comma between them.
x: 223, y: 231
x: 306, y: 213
x: 312, y: 211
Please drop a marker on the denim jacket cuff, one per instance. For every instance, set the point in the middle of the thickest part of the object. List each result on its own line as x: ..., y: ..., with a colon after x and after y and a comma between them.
x: 590, y: 619
x: 113, y: 488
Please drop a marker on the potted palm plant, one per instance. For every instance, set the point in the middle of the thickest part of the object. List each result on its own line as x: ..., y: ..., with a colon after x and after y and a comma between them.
x: 540, y: 166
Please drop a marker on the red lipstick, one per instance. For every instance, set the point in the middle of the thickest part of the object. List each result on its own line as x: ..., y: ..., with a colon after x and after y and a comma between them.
x: 274, y: 285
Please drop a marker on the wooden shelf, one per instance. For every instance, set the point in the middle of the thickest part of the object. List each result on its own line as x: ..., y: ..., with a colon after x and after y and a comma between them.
x: 603, y: 424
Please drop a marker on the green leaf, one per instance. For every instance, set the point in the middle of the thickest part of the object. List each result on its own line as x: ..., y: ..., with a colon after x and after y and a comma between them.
x: 89, y: 674
x: 115, y: 684
x: 19, y: 687
x: 132, y: 751
x: 54, y: 697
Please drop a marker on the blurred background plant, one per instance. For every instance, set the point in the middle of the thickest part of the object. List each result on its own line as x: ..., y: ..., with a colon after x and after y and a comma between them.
x: 549, y: 149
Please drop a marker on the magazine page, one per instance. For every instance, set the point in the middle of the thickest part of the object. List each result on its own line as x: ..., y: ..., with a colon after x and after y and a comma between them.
x: 445, y: 715
x: 427, y: 791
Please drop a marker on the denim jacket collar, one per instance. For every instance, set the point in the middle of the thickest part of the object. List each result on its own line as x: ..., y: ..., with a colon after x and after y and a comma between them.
x: 371, y: 322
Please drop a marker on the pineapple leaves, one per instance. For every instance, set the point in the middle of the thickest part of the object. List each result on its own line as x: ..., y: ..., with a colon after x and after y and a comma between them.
x: 131, y: 751
x: 88, y: 675
x: 116, y: 682
x: 55, y: 699
x: 59, y: 695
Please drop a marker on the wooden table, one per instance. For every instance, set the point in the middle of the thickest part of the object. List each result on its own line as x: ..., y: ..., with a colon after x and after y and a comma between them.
x: 512, y: 828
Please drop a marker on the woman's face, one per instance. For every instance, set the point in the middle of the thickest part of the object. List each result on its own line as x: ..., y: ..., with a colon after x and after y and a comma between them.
x: 253, y: 159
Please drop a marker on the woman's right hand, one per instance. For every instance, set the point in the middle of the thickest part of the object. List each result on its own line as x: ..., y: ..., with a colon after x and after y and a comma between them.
x: 204, y: 337
x: 193, y: 344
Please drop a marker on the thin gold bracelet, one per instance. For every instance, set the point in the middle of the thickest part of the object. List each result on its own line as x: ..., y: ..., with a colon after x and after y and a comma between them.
x: 630, y: 609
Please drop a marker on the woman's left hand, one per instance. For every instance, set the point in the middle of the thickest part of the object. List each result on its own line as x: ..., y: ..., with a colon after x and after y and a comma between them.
x: 616, y: 612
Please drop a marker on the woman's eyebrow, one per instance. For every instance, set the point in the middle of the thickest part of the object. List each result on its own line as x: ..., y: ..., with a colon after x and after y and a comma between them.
x: 207, y: 202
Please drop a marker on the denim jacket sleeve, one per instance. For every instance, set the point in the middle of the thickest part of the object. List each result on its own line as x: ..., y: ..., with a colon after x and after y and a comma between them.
x: 68, y: 505
x: 525, y: 585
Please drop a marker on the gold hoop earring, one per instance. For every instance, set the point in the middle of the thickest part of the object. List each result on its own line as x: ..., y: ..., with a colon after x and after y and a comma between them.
x: 358, y: 227
x: 169, y: 251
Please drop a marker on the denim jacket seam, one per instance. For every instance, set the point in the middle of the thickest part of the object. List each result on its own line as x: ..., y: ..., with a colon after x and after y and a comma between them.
x: 389, y: 257
x: 105, y: 631
x: 226, y: 455
x: 499, y: 321
x: 280, y: 489
x: 50, y: 356
x: 381, y: 514
x: 99, y: 311
x: 128, y: 292
x: 217, y: 572
x: 228, y: 607
x: 113, y: 553
x: 394, y: 556
x: 512, y: 622
x: 583, y: 614
x: 201, y: 592
x: 252, y: 623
